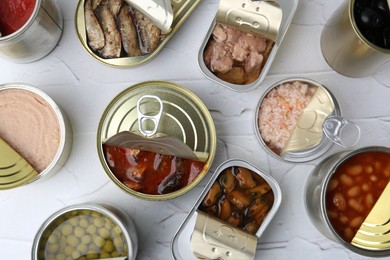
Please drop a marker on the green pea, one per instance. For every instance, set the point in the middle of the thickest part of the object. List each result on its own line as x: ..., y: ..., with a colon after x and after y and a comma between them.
x: 99, y: 241
x: 53, y: 239
x: 61, y: 256
x: 66, y: 229
x: 104, y: 233
x: 117, y: 230
x: 79, y: 231
x: 96, y: 214
x: 72, y: 240
x: 82, y: 248
x: 108, y: 225
x: 118, y: 242
x: 76, y: 254
x: 108, y: 246
x: 68, y: 250
x: 91, y: 229
x: 86, y: 239
x: 53, y: 248
x: 99, y: 222
x: 74, y: 221
x: 84, y: 223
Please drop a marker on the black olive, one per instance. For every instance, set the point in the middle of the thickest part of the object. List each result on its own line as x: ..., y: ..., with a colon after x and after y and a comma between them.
x: 371, y: 19
x: 380, y: 5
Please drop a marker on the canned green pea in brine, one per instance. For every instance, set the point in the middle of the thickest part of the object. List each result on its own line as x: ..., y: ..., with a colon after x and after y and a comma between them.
x: 90, y: 231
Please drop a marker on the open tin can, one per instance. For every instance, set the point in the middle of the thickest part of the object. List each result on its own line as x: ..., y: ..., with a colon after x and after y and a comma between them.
x: 347, y: 199
x: 242, y: 41
x: 351, y: 46
x: 35, y: 135
x: 37, y: 37
x: 137, y: 39
x: 298, y: 120
x: 90, y: 230
x: 166, y: 134
x: 230, y: 215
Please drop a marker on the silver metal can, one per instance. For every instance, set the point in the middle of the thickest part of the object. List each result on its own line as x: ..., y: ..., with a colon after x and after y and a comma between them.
x: 38, y: 36
x: 298, y: 120
x: 268, y: 20
x: 84, y: 230
x: 213, y: 230
x: 370, y: 238
x: 16, y: 160
x: 346, y: 49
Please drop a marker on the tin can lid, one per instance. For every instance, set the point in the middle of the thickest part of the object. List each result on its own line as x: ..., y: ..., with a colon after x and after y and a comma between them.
x: 374, y: 232
x: 259, y: 17
x: 14, y: 169
x: 183, y: 116
x: 181, y: 11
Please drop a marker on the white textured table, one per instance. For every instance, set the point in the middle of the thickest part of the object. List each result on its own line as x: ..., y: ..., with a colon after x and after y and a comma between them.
x: 83, y: 87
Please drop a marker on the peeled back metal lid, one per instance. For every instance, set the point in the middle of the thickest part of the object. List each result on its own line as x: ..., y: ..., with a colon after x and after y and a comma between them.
x: 259, y: 17
x: 14, y: 169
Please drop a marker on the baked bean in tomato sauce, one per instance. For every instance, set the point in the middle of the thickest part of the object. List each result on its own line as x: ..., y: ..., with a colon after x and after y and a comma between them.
x: 353, y: 190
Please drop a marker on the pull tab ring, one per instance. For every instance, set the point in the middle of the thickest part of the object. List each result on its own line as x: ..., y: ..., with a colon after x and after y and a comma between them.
x: 144, y: 120
x: 341, y: 131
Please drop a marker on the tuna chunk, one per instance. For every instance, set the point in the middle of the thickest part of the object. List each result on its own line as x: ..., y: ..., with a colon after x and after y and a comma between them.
x: 254, y: 62
x: 235, y: 56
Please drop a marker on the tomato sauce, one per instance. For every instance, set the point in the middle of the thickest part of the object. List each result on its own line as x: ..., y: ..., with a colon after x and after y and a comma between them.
x: 354, y: 189
x: 149, y: 172
x: 14, y: 14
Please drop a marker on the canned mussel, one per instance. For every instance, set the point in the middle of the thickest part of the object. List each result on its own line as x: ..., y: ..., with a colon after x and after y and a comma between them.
x: 230, y: 215
x: 86, y: 231
x: 156, y: 140
x: 121, y: 34
x: 347, y: 198
x: 298, y: 120
x: 242, y: 41
x: 35, y: 135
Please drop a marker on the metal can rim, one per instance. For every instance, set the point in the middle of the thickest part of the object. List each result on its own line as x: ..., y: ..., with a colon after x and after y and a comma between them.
x: 313, y: 156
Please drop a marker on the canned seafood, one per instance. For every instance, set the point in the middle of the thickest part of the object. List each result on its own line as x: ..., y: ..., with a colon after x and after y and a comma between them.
x: 242, y: 41
x: 230, y: 215
x: 94, y: 231
x: 156, y: 120
x: 298, y: 120
x: 346, y: 198
x: 37, y: 37
x: 35, y: 135
x: 134, y: 38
